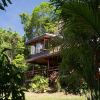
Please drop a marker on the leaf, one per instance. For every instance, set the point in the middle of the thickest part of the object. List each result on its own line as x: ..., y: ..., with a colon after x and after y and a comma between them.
x: 1, y: 7
x: 4, y: 3
x: 9, y: 1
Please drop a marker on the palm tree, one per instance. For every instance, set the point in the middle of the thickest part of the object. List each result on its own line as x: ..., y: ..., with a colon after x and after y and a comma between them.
x: 81, y: 45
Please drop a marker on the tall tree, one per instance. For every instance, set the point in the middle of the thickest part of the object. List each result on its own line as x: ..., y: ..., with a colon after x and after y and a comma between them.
x: 81, y: 45
x: 42, y: 20
x: 9, y: 39
x: 13, y: 41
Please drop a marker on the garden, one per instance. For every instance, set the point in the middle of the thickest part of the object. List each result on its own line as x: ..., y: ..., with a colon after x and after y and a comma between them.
x: 74, y: 25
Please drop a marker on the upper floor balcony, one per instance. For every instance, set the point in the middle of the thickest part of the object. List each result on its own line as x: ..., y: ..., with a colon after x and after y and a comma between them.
x: 41, y: 56
x: 41, y: 49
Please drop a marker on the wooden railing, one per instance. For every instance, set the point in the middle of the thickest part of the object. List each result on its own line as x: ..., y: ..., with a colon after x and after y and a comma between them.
x: 30, y: 74
x: 39, y: 54
x: 45, y: 51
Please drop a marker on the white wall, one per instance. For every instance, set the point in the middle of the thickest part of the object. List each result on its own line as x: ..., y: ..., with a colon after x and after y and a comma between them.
x: 32, y: 49
x: 37, y: 48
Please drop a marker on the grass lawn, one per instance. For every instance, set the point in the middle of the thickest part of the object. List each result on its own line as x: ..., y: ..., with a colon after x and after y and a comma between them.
x: 52, y: 96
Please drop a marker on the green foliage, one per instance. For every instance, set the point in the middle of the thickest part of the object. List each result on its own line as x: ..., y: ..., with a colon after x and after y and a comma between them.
x: 20, y: 47
x: 39, y: 84
x: 9, y: 39
x: 20, y: 62
x: 10, y: 79
x: 12, y: 40
x: 4, y: 3
x: 42, y: 20
x: 73, y: 83
x: 81, y: 30
x: 25, y: 20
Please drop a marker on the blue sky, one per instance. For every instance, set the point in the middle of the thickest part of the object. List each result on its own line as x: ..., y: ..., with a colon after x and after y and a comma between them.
x: 10, y: 18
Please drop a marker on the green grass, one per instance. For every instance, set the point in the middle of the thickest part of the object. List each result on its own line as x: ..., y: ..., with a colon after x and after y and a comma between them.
x: 53, y: 96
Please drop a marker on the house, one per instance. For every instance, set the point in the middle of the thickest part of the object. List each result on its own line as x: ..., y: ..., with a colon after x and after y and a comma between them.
x: 44, y: 56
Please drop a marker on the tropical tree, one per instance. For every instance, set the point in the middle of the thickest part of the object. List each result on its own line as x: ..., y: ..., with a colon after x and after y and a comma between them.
x: 20, y: 62
x: 41, y: 21
x: 25, y: 20
x: 80, y: 51
x: 12, y: 40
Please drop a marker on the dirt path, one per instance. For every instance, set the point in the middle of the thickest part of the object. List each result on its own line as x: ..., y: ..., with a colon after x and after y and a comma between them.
x: 51, y: 96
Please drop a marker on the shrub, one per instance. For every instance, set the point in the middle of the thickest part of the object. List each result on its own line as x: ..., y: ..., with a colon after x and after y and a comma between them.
x: 19, y: 61
x: 39, y: 84
x: 73, y: 83
x: 10, y: 79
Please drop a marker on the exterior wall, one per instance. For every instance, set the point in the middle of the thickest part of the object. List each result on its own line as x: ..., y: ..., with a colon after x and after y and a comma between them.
x: 37, y: 48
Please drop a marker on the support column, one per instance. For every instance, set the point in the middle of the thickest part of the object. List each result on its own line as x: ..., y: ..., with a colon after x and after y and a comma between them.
x: 44, y: 44
x: 35, y: 48
x: 48, y: 68
x: 33, y: 71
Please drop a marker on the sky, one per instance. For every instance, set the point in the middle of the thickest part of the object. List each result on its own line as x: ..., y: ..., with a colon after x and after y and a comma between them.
x: 10, y: 18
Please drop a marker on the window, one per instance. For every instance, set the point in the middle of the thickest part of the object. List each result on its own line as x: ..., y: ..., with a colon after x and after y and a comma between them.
x: 32, y: 49
x: 39, y: 46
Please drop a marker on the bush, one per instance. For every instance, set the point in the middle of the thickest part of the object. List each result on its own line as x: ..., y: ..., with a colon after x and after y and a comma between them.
x: 19, y: 61
x: 39, y: 84
x: 11, y: 79
x: 73, y: 83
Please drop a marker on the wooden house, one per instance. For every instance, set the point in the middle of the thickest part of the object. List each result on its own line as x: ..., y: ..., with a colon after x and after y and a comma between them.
x: 43, y: 54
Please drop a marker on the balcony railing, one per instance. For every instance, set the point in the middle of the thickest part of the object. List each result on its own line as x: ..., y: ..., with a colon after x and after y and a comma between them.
x: 43, y: 52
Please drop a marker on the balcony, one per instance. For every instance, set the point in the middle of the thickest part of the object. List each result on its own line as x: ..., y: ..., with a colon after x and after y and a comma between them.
x: 43, y: 50
x: 44, y: 55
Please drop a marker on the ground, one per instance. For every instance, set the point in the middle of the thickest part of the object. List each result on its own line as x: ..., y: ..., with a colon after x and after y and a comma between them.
x: 52, y: 96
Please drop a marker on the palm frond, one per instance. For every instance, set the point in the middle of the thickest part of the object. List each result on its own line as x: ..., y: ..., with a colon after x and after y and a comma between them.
x: 79, y: 15
x: 4, y: 3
